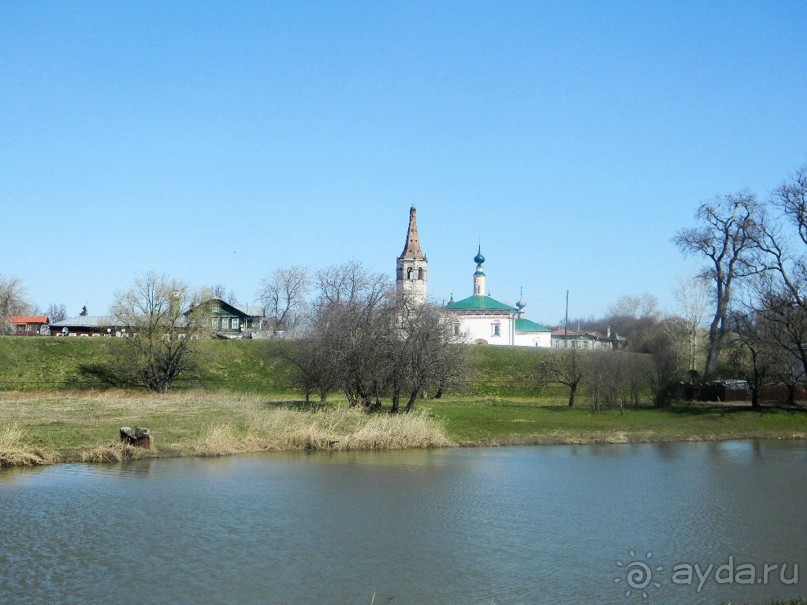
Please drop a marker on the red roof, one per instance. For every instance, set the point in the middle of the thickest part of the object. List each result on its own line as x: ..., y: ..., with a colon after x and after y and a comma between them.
x: 29, y: 319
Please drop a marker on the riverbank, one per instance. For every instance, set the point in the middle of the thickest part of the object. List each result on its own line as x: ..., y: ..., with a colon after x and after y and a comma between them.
x: 45, y: 428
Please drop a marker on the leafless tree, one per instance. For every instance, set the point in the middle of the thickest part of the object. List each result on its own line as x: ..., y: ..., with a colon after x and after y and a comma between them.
x: 344, y: 345
x: 164, y: 321
x: 726, y: 237
x: 56, y: 312
x: 637, y: 307
x: 781, y: 290
x: 663, y: 344
x: 615, y: 379
x: 791, y: 199
x: 220, y: 291
x: 692, y: 296
x: 366, y: 341
x: 562, y: 366
x: 13, y: 301
x: 351, y: 281
x: 426, y: 356
x: 755, y: 356
x: 283, y: 295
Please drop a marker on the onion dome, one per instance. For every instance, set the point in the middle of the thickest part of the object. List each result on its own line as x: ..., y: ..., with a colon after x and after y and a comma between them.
x: 479, y: 259
x: 521, y: 302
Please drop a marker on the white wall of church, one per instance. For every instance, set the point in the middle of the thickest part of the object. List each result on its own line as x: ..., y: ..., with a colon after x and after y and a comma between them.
x: 533, y: 339
x: 493, y: 329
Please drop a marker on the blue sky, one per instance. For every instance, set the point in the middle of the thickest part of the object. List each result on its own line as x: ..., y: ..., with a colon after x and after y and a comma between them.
x: 216, y: 141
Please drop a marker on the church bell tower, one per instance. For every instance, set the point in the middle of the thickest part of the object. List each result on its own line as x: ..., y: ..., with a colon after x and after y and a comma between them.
x: 412, y: 266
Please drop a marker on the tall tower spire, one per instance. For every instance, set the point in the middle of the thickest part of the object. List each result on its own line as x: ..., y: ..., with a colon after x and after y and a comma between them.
x: 412, y: 266
x: 479, y: 274
x: 412, y: 245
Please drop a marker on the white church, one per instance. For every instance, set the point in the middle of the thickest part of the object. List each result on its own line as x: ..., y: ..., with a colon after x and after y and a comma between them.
x: 478, y: 319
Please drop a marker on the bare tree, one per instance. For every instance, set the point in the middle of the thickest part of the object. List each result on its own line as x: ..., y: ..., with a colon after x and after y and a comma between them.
x: 663, y: 344
x: 692, y: 296
x: 615, y: 379
x: 781, y: 291
x: 426, y: 356
x: 784, y: 318
x: 351, y: 281
x: 56, y: 312
x: 164, y: 321
x: 345, y: 344
x: 220, y: 291
x: 755, y: 359
x: 283, y: 295
x: 726, y: 236
x: 791, y: 199
x: 562, y: 366
x: 370, y: 344
x: 637, y: 307
x: 13, y: 301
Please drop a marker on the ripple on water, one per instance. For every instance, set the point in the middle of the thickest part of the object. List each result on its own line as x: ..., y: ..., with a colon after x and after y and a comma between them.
x: 462, y: 525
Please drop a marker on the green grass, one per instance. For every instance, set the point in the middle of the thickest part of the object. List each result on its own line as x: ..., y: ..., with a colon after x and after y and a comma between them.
x: 241, y: 366
x: 499, y: 421
x: 77, y: 425
x: 499, y: 405
x: 84, y: 426
x: 49, y: 363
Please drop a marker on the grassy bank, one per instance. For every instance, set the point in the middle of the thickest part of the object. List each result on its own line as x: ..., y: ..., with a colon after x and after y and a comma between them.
x: 37, y: 428
x: 495, y: 420
x: 233, y: 366
x: 47, y: 363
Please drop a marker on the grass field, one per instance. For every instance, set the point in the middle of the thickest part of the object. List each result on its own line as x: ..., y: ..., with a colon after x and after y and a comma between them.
x: 504, y: 421
x: 232, y: 366
x: 238, y: 399
x: 68, y: 426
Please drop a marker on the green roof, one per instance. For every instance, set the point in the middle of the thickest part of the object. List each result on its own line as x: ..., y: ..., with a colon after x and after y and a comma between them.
x: 477, y: 302
x: 525, y: 325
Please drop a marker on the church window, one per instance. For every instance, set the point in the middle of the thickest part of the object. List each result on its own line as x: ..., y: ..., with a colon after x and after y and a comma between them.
x: 420, y: 273
x: 496, y: 329
x: 409, y: 273
x: 456, y: 330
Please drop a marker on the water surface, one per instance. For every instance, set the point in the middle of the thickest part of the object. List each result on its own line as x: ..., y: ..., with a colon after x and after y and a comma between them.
x: 551, y: 524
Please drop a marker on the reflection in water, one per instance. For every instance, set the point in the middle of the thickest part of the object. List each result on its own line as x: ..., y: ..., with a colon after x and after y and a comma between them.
x: 514, y: 525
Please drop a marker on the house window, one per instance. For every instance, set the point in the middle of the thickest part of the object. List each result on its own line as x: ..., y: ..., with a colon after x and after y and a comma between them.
x: 496, y: 329
x: 225, y: 323
x: 215, y: 323
x: 235, y: 323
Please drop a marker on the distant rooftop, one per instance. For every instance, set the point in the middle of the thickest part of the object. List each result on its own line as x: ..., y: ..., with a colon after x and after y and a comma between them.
x: 526, y: 325
x: 29, y: 319
x: 478, y: 302
x: 85, y: 321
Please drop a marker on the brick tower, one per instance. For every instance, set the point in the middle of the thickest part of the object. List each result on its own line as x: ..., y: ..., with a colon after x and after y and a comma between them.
x: 412, y: 266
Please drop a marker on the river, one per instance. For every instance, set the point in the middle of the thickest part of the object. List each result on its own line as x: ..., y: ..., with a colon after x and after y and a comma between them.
x: 615, y: 524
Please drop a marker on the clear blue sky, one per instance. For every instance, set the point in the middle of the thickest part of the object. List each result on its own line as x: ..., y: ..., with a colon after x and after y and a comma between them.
x: 216, y: 141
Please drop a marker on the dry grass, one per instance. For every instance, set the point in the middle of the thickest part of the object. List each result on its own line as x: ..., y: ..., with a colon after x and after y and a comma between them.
x: 114, y: 453
x: 13, y: 451
x: 84, y: 426
x: 332, y: 428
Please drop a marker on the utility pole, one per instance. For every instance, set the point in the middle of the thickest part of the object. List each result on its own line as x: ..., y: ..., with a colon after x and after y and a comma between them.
x: 566, y: 324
